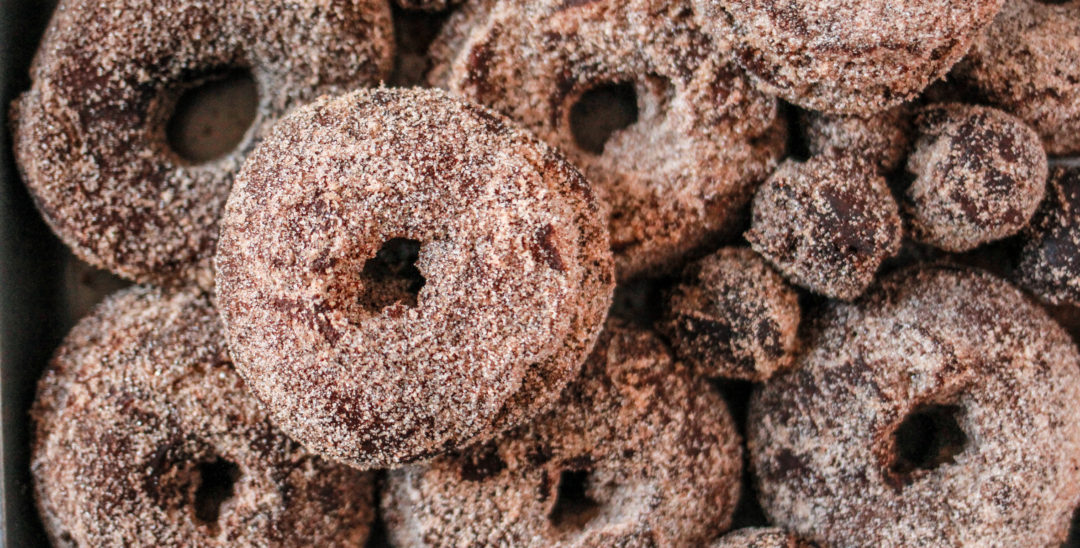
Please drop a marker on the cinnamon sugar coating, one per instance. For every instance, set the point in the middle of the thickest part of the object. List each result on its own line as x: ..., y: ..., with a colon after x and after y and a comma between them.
x: 883, y: 138
x: 979, y: 175
x: 760, y: 537
x: 733, y: 316
x: 90, y: 134
x: 638, y: 452
x: 515, y: 266
x: 140, y: 419
x: 1050, y: 261
x: 676, y: 178
x: 1026, y: 64
x: 847, y: 56
x: 826, y: 224
x: 940, y: 410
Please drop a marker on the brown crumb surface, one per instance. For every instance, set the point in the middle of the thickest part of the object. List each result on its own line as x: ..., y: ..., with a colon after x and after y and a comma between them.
x: 90, y: 134
x: 652, y: 451
x: 760, y: 537
x: 826, y: 439
x: 883, y: 138
x: 138, y: 400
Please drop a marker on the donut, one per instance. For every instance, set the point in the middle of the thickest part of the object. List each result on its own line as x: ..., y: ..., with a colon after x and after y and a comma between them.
x: 733, y: 316
x: 672, y: 181
x: 1025, y: 64
x: 510, y: 285
x: 1050, y: 260
x: 883, y: 138
x: 940, y: 410
x: 846, y: 56
x: 826, y: 224
x: 978, y: 176
x: 90, y: 134
x: 761, y: 537
x: 637, y: 452
x: 144, y: 435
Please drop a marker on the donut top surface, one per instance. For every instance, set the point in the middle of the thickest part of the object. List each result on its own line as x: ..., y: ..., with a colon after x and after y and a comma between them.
x: 636, y: 453
x: 145, y: 435
x: 515, y: 266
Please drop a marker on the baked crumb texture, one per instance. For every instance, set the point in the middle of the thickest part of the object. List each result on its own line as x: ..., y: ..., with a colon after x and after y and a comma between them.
x: 733, y: 316
x: 672, y: 181
x: 145, y: 435
x: 638, y: 452
x: 1026, y: 64
x: 847, y: 56
x: 978, y: 175
x: 826, y: 224
x: 883, y: 138
x: 514, y: 260
x: 90, y: 134
x: 939, y: 410
x: 761, y: 537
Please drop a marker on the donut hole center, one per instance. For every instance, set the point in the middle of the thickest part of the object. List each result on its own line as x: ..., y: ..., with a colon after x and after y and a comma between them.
x: 573, y: 506
x: 216, y: 484
x: 600, y: 112
x: 212, y: 116
x: 927, y: 438
x: 391, y: 276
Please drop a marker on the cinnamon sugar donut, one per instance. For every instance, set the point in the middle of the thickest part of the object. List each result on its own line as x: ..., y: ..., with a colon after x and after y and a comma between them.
x: 847, y: 56
x: 1050, y: 261
x: 883, y: 138
x: 761, y: 537
x: 146, y: 436
x: 1026, y: 64
x: 826, y: 224
x: 512, y: 280
x: 673, y: 180
x: 979, y: 175
x: 940, y: 410
x: 637, y: 453
x: 733, y: 316
x: 90, y: 134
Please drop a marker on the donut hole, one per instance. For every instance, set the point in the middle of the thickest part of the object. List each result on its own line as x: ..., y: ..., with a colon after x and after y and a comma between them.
x: 573, y: 508
x: 211, y: 117
x: 391, y: 276
x: 600, y: 112
x: 216, y: 484
x: 927, y: 438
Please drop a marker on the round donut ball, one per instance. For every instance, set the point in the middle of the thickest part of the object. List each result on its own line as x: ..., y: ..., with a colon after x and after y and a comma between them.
x: 699, y: 136
x: 402, y: 274
x: 979, y: 175
x: 733, y: 316
x: 761, y: 537
x: 883, y: 138
x: 638, y: 452
x: 847, y: 56
x: 144, y: 435
x: 940, y: 410
x: 90, y: 134
x: 1025, y: 63
x: 1050, y: 261
x: 826, y: 224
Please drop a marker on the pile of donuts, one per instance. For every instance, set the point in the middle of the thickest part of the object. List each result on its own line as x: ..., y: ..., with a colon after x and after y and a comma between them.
x: 816, y: 290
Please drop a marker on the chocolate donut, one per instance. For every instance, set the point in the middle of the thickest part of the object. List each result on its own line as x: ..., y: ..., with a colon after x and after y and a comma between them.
x: 1050, y: 261
x: 146, y: 436
x: 510, y: 287
x: 847, y: 56
x: 1026, y: 64
x: 940, y: 410
x: 90, y: 134
x: 760, y: 537
x: 979, y: 175
x: 636, y: 453
x: 826, y: 224
x: 883, y: 138
x: 733, y: 316
x: 672, y: 181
